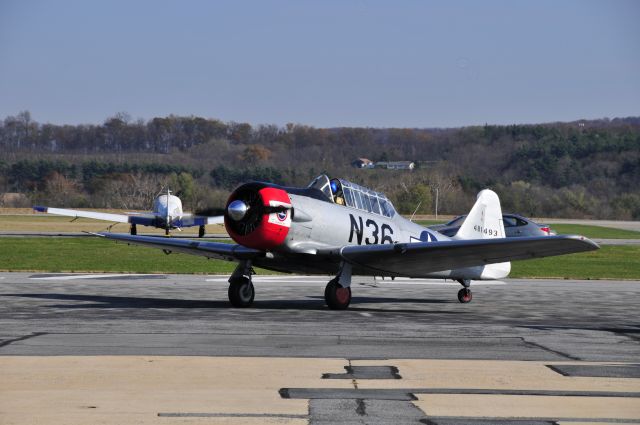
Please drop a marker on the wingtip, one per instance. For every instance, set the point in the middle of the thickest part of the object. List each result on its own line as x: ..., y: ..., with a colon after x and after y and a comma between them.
x: 39, y: 208
x: 593, y: 245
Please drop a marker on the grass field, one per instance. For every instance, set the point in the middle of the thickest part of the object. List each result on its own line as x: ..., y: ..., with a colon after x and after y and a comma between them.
x: 99, y: 255
x: 52, y: 223
x: 429, y: 222
x: 594, y: 231
x: 609, y: 262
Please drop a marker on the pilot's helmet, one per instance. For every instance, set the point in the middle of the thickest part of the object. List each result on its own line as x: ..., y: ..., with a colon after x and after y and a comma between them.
x: 334, y: 186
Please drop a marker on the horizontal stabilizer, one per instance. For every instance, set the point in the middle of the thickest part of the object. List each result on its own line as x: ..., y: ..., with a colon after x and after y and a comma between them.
x: 197, y: 220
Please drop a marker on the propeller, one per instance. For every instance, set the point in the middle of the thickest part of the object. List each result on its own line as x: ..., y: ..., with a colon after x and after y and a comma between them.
x: 237, y: 210
x: 210, y: 212
x: 247, y: 210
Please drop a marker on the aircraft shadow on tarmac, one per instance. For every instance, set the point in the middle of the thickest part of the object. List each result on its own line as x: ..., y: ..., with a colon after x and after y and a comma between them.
x: 311, y: 303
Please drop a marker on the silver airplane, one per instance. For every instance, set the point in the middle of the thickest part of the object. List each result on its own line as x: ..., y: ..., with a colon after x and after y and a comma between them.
x: 338, y: 228
x: 167, y: 214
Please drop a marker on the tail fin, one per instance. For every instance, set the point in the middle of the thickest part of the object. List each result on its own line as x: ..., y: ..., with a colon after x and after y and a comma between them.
x: 484, y: 221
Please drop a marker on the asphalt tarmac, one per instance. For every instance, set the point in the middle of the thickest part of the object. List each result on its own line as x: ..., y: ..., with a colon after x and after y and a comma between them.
x: 523, y: 351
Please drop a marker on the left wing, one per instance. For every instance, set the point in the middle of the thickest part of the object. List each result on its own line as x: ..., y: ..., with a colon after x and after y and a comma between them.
x: 217, y: 250
x: 145, y: 219
x: 419, y: 259
x: 118, y: 218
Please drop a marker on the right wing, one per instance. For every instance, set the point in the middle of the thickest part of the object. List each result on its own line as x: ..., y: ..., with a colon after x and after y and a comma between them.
x: 199, y: 220
x: 217, y: 250
x: 119, y: 218
x: 421, y: 258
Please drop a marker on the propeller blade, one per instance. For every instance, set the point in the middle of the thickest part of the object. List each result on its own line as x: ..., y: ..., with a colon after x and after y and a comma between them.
x: 210, y: 212
x: 276, y: 209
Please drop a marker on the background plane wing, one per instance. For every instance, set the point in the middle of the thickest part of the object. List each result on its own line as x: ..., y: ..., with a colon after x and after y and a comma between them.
x: 419, y: 259
x: 119, y: 218
x: 198, y: 220
x: 217, y: 250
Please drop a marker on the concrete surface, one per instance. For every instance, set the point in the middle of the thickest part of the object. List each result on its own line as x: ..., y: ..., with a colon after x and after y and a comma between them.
x: 169, y: 349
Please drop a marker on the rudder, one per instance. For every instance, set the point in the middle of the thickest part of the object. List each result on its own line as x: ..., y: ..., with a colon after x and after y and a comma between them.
x: 484, y: 221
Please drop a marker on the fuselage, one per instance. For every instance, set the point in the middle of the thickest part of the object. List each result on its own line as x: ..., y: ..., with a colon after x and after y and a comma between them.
x: 313, y: 221
x: 334, y: 225
x: 168, y: 209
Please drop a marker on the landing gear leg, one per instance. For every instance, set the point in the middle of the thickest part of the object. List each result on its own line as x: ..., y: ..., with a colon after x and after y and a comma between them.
x: 133, y: 229
x: 241, y: 291
x: 201, y: 231
x: 464, y: 295
x: 337, y: 294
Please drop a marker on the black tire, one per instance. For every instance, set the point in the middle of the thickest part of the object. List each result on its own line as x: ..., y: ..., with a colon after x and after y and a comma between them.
x: 465, y: 295
x: 134, y: 230
x: 337, y: 297
x: 241, y: 293
x: 201, y: 232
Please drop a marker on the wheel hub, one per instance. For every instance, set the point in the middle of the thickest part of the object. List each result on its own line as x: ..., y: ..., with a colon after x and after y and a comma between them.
x: 342, y: 295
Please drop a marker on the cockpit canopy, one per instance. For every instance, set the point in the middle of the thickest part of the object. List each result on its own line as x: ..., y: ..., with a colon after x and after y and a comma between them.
x: 352, y: 195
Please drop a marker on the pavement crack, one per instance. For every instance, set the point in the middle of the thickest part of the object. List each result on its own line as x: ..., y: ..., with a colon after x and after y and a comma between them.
x: 22, y: 338
x: 354, y: 381
x: 551, y: 350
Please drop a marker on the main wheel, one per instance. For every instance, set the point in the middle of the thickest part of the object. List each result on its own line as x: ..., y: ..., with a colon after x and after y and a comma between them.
x: 464, y: 295
x: 337, y: 297
x: 134, y: 230
x: 201, y: 231
x: 241, y: 293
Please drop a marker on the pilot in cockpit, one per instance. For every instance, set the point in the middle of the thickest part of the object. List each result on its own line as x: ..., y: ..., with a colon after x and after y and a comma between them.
x: 336, y: 189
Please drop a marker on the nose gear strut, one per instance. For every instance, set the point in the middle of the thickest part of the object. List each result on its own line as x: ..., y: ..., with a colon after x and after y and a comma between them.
x: 241, y: 292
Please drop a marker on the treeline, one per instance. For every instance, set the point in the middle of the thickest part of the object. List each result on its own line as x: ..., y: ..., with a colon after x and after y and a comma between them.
x: 29, y: 175
x: 584, y: 168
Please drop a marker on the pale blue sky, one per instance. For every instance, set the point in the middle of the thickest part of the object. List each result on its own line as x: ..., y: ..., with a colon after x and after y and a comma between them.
x: 321, y: 63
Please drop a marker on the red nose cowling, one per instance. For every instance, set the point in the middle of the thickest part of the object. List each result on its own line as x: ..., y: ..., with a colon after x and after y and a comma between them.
x: 260, y: 229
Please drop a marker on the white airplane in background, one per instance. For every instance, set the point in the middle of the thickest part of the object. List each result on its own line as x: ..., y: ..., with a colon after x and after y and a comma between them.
x: 167, y: 214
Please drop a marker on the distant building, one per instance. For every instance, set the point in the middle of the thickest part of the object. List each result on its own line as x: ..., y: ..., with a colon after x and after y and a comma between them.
x: 396, y: 165
x: 13, y: 200
x: 362, y: 163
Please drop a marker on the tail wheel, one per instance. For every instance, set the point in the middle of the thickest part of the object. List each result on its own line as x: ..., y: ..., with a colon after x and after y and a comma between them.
x: 464, y: 295
x: 241, y: 293
x: 337, y: 297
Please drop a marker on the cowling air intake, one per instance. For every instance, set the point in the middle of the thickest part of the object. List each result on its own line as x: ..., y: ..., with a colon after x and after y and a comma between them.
x: 258, y: 216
